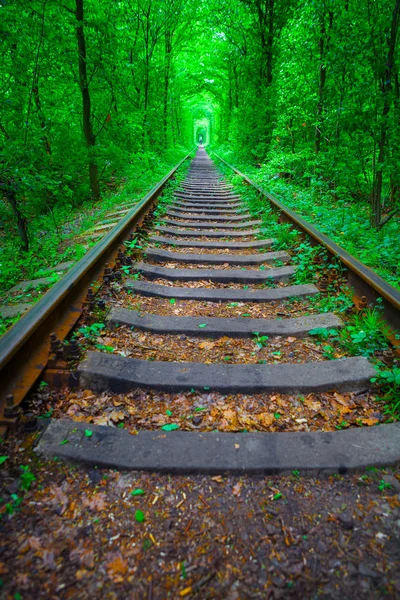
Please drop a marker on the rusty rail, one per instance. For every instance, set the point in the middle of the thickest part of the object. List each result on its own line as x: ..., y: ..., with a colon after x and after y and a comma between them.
x: 361, y: 279
x: 24, y: 349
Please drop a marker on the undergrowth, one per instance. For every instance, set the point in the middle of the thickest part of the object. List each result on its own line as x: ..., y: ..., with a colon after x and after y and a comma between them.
x: 333, y: 212
x: 53, y: 235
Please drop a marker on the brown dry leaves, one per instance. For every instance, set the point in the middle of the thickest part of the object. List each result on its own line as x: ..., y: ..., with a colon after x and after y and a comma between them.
x: 182, y: 348
x: 117, y: 568
x: 196, y: 411
x: 193, y: 308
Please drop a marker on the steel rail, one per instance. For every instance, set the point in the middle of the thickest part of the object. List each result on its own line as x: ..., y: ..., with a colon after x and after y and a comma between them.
x: 363, y: 280
x: 24, y: 349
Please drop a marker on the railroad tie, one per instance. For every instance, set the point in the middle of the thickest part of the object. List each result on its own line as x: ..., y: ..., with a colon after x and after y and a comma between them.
x: 207, y: 250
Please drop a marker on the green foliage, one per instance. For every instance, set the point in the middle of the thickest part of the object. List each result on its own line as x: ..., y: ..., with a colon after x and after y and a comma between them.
x: 365, y: 334
x: 388, y: 381
x: 261, y: 340
x: 91, y: 332
x: 26, y: 478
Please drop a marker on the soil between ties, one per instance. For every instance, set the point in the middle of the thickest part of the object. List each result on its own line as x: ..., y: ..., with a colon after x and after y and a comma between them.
x: 208, y: 409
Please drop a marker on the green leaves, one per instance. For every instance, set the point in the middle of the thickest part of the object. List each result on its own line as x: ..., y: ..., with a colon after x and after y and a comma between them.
x: 139, y: 516
x: 137, y: 492
x: 88, y: 433
x: 202, y: 325
x: 3, y: 459
x: 170, y: 427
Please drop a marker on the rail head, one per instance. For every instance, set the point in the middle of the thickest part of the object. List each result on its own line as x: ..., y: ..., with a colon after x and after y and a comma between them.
x: 26, y: 342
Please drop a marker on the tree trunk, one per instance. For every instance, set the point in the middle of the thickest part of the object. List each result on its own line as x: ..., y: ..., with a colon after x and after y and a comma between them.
x: 167, y: 67
x: 86, y: 106
x: 22, y: 223
x: 321, y: 85
x: 386, y: 87
x: 36, y: 96
x: 270, y: 41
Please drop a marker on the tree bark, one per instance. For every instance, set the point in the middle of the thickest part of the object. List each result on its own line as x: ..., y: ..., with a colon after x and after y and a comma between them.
x: 22, y: 223
x: 36, y: 97
x: 323, y: 46
x: 386, y: 87
x: 86, y: 105
x: 167, y: 67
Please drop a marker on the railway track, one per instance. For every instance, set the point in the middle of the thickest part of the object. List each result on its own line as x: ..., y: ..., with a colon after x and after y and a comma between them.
x: 203, y: 310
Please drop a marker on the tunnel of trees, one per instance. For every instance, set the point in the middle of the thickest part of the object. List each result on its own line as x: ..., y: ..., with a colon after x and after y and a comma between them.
x: 92, y: 92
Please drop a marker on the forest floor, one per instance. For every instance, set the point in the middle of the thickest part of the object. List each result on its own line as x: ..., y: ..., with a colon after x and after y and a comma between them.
x: 71, y: 532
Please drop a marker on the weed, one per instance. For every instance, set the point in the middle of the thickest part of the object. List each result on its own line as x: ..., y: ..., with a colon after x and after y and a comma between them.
x: 261, y: 340
x: 389, y: 383
x: 26, y: 478
x: 365, y: 333
x: 91, y: 332
x: 383, y: 485
x: 329, y: 352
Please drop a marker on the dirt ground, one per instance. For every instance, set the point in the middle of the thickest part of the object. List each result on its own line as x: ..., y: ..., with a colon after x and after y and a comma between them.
x: 71, y: 532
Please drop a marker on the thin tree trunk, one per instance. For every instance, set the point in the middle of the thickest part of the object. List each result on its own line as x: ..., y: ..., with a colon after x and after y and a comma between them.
x: 36, y: 97
x: 376, y: 196
x: 86, y: 106
x: 321, y: 85
x: 167, y: 67
x: 22, y: 223
x: 270, y: 41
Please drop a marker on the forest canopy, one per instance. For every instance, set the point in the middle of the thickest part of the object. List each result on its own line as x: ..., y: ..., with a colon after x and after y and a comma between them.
x: 91, y: 91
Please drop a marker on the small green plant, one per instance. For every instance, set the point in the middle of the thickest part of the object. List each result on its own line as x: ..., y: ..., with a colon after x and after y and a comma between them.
x: 104, y: 348
x: 332, y: 302
x: 269, y: 282
x: 365, y: 333
x: 323, y: 334
x: 26, y: 478
x: 329, y: 352
x: 389, y: 383
x: 133, y: 244
x: 91, y: 332
x: 383, y: 485
x: 261, y: 340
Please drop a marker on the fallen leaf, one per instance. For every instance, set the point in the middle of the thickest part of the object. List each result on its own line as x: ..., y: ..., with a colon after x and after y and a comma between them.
x: 117, y: 568
x: 266, y: 419
x: 207, y: 345
x: 96, y: 502
x: 237, y: 489
x: 139, y: 516
x: 170, y: 427
x: 370, y: 421
x: 137, y: 492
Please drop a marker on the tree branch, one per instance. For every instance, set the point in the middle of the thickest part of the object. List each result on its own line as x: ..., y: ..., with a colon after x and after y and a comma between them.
x: 388, y: 217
